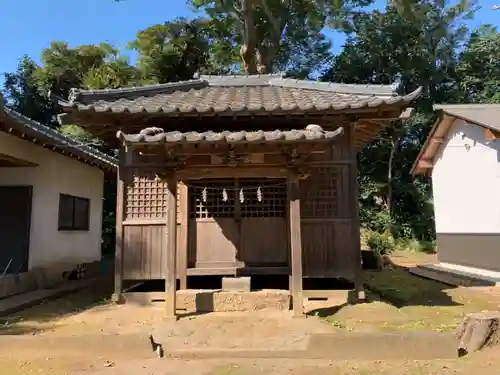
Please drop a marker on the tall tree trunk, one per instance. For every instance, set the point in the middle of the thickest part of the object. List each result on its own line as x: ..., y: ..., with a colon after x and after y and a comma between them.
x: 264, y: 56
x: 247, y: 49
x: 395, y: 142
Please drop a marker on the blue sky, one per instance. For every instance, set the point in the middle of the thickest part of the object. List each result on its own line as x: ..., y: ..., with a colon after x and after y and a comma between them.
x: 28, y: 26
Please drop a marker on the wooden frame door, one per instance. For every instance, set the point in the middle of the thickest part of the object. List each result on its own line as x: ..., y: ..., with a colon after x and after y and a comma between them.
x: 238, y: 223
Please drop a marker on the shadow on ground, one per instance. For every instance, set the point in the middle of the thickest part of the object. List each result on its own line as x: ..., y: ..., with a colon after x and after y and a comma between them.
x: 40, y: 317
x: 400, y: 288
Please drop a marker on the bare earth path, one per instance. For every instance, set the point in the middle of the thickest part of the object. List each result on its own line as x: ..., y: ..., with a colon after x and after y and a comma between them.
x: 83, y: 334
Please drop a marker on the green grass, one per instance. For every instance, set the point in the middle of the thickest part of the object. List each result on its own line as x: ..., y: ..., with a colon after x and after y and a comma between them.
x: 402, y: 302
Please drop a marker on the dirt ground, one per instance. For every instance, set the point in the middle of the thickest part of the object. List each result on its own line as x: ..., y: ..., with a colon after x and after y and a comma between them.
x: 84, y: 334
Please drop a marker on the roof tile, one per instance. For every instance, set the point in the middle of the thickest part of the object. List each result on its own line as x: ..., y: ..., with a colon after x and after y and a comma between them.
x: 157, y: 136
x: 238, y: 94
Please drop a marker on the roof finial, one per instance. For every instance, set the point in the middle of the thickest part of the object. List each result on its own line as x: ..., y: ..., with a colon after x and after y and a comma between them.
x: 397, y: 84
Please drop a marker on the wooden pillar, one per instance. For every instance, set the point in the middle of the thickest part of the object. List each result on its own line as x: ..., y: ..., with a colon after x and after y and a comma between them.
x: 237, y: 217
x: 171, y: 249
x: 117, y: 296
x: 356, y: 234
x: 295, y: 246
x: 182, y: 234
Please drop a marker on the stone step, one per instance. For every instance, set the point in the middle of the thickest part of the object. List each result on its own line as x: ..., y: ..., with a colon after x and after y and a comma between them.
x: 453, y: 277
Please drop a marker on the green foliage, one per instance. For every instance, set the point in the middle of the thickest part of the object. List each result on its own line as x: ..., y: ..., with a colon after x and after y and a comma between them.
x: 479, y: 67
x: 381, y: 243
x: 417, y: 50
x: 79, y: 134
x: 22, y: 93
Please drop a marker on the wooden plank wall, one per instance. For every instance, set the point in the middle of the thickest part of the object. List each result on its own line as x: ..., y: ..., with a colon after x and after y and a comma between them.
x: 144, y: 237
x: 328, y: 216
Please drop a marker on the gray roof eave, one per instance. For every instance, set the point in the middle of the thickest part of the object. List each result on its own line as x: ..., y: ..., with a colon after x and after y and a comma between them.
x: 57, y: 139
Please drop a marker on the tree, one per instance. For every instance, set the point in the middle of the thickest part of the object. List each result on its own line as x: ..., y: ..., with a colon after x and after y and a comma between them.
x: 479, y: 68
x: 23, y: 95
x: 86, y: 66
x: 419, y: 51
x: 266, y: 28
x: 177, y: 49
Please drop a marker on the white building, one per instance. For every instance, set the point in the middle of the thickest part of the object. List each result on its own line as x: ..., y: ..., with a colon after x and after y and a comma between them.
x: 462, y: 154
x: 51, y: 201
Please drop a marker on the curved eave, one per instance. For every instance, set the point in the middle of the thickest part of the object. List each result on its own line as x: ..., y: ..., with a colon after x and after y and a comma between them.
x: 177, y: 138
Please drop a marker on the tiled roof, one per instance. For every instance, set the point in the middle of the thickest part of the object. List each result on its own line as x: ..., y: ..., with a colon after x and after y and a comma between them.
x: 156, y: 135
x: 238, y: 94
x: 52, y: 137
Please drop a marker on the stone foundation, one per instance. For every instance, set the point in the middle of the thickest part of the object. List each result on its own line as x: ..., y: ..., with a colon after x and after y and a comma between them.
x: 201, y: 301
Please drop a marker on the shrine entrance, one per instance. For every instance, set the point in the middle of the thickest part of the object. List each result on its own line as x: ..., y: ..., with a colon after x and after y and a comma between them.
x: 238, y: 226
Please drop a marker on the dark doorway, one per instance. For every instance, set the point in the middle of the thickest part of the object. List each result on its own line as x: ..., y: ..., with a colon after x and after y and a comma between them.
x: 15, y: 218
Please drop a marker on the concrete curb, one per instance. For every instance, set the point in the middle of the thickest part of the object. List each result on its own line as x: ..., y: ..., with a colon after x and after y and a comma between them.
x: 335, y: 346
x: 16, y: 303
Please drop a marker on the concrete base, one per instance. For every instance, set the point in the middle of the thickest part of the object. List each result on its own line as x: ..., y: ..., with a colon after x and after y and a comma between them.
x: 201, y: 301
x: 236, y: 284
x: 46, y: 277
x: 457, y: 275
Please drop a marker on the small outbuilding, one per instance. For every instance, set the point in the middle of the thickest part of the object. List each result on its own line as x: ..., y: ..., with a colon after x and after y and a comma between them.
x: 51, y: 202
x: 238, y: 176
x: 462, y: 155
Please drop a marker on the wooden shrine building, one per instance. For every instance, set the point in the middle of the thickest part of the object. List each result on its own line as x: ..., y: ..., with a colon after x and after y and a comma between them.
x: 237, y: 175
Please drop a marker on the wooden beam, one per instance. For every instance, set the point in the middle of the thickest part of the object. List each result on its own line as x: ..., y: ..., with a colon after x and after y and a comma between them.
x: 355, y: 224
x: 171, y: 248
x: 437, y: 140
x: 424, y: 164
x: 230, y: 172
x: 120, y: 207
x: 491, y: 134
x: 295, y: 246
x: 407, y: 113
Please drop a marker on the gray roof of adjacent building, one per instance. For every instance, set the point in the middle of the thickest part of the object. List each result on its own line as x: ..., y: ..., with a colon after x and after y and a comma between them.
x: 486, y: 115
x: 58, y: 140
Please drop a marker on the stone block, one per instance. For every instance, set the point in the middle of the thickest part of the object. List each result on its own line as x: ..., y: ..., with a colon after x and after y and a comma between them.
x: 236, y: 284
x: 217, y: 301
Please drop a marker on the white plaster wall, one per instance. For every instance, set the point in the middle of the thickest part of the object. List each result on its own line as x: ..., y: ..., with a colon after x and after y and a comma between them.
x: 55, y: 174
x: 466, y: 182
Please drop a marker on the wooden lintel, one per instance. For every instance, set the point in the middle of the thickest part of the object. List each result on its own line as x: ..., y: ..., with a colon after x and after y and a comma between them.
x: 232, y: 172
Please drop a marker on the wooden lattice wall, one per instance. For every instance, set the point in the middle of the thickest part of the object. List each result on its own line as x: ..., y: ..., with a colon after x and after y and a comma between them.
x: 145, y: 196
